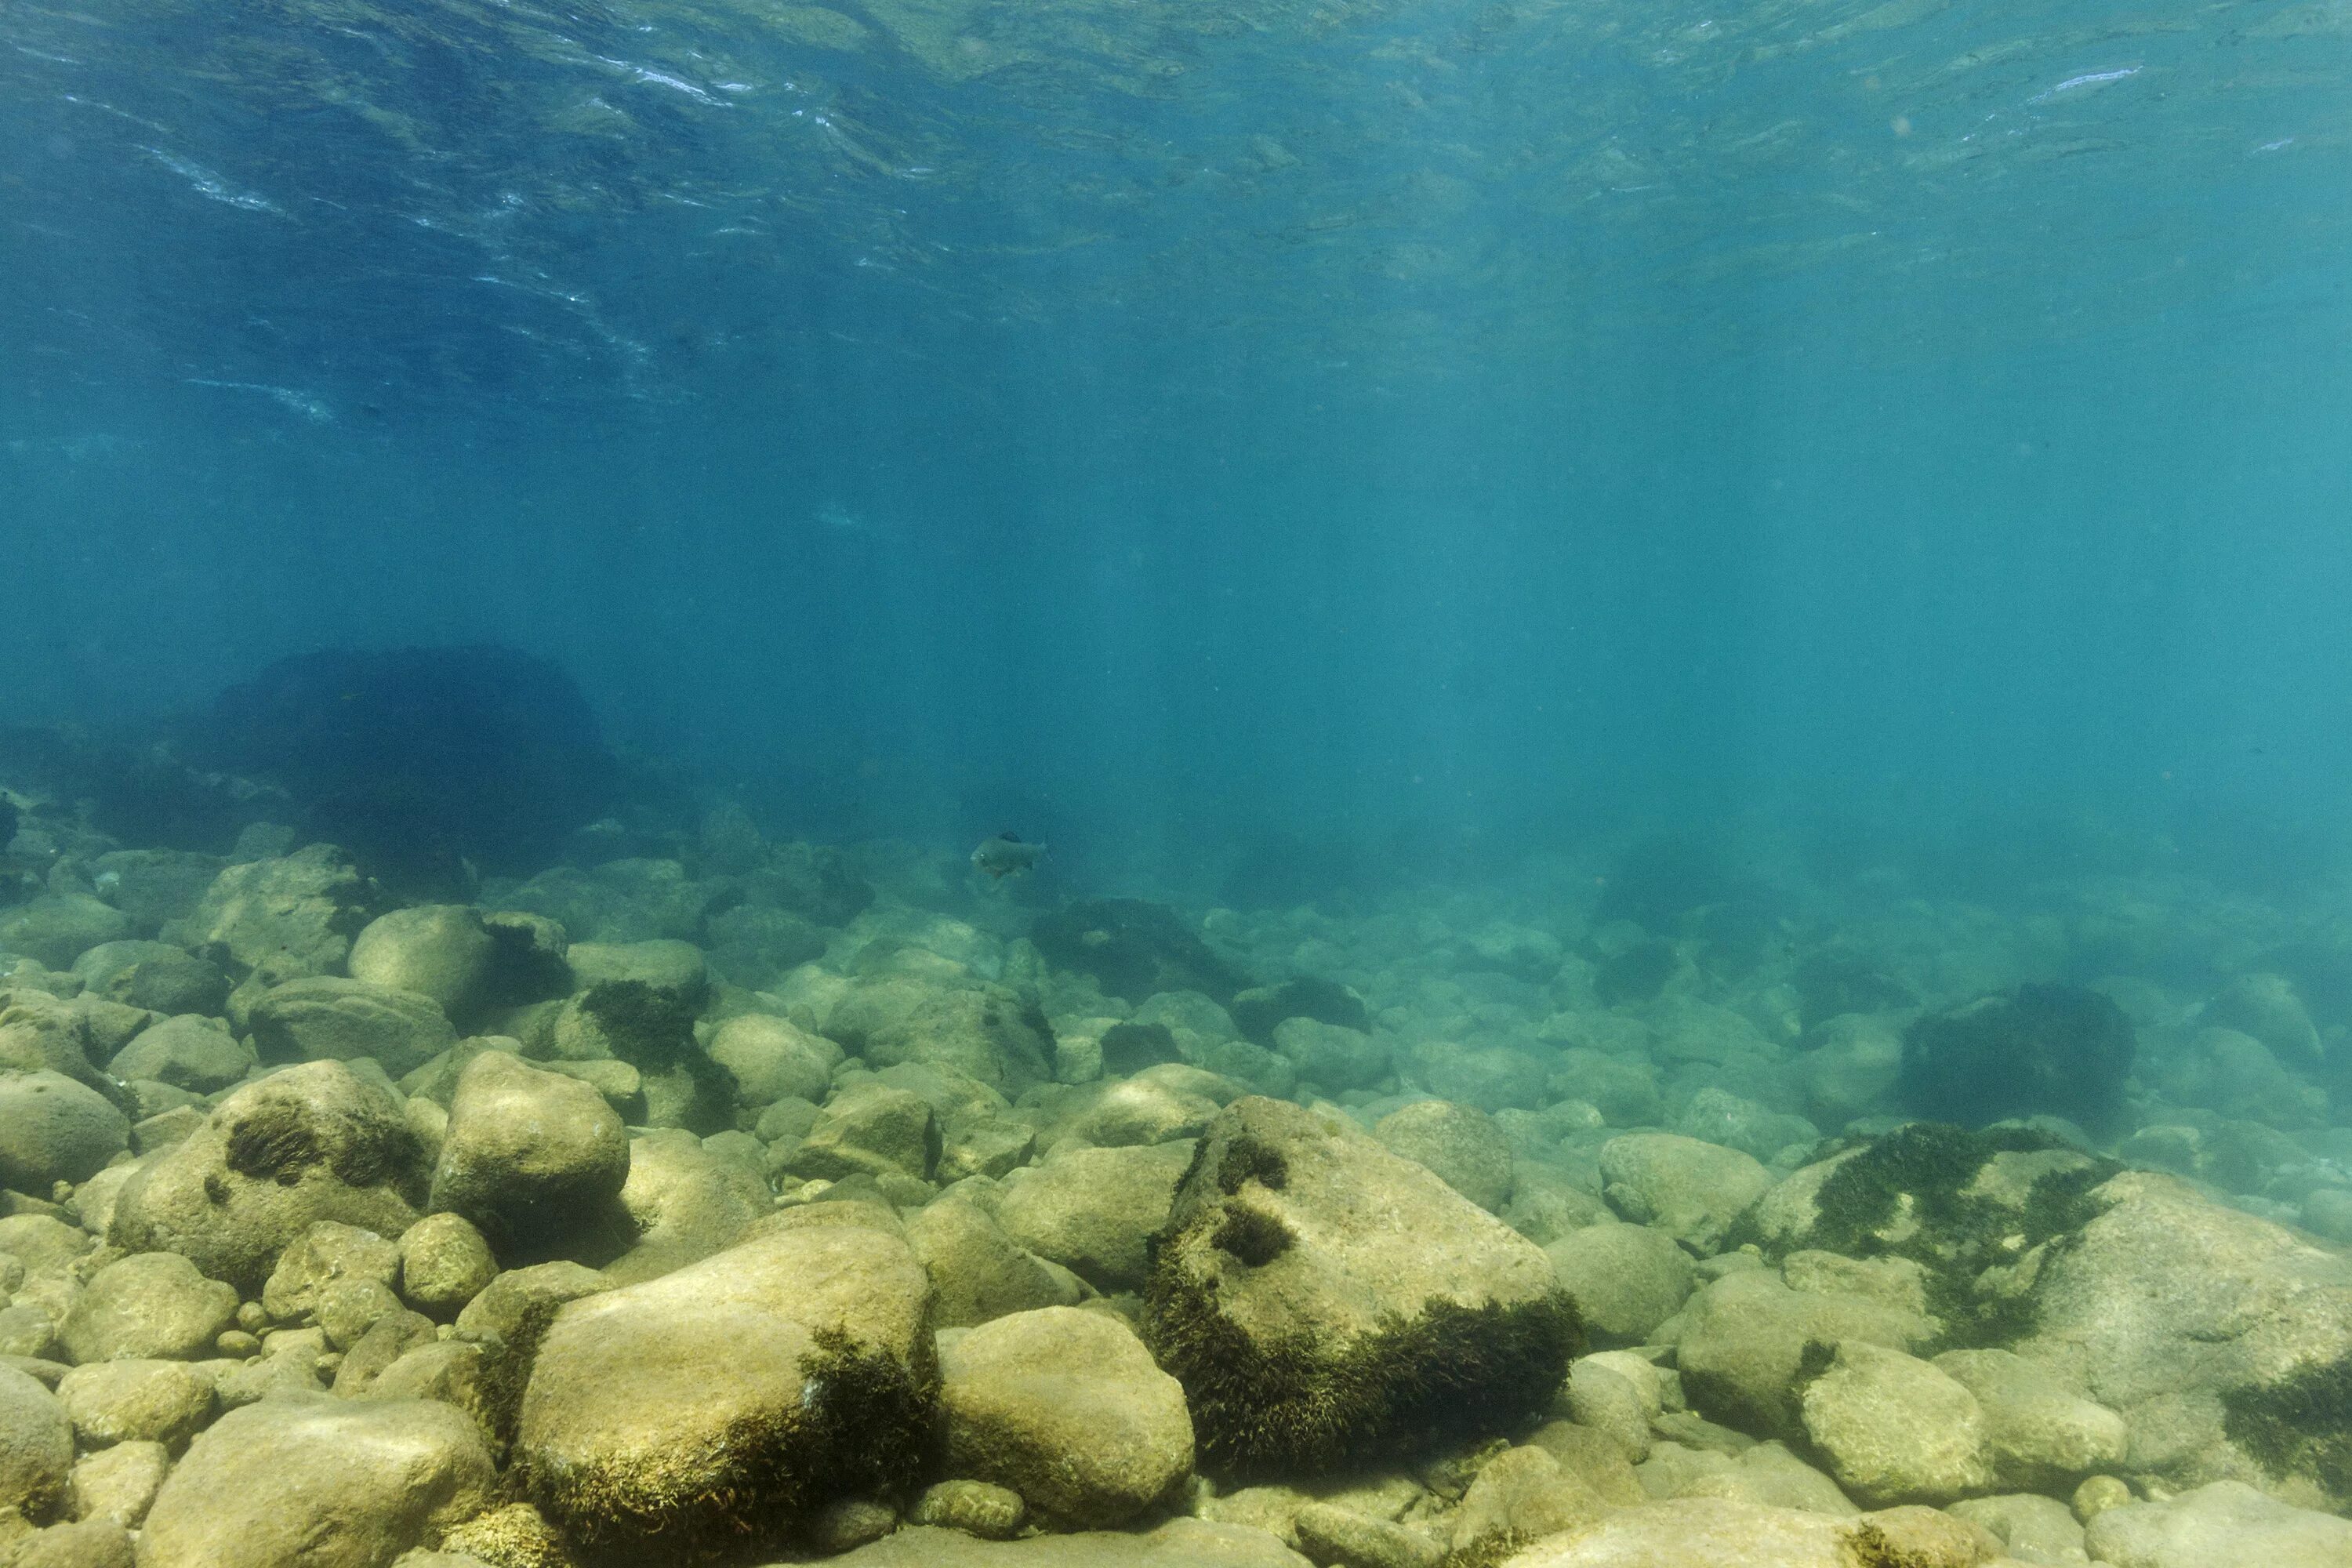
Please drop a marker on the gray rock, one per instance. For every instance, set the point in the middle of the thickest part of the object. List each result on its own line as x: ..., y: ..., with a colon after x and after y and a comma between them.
x: 1322, y: 1298
x: 1626, y: 1279
x: 773, y: 1058
x: 2268, y: 1007
x: 1065, y: 1408
x: 280, y: 919
x: 441, y: 950
x: 1092, y: 1210
x: 1178, y: 1544
x: 1523, y: 1493
x: 110, y: 1401
x: 88, y: 1543
x: 186, y: 1051
x: 148, y: 1306
x: 2033, y: 1528
x: 868, y: 1129
x: 118, y: 1484
x: 732, y: 1395
x: 311, y: 1143
x: 986, y: 1032
x: 978, y: 1272
x: 1764, y: 1473
x: 2224, y: 1525
x: 530, y: 1157
x: 445, y: 1263
x: 318, y: 1482
x: 1718, y: 1116
x: 1896, y: 1428
x: 35, y: 1446
x: 58, y: 928
x: 1740, y: 1341
x: 976, y: 1508
x: 2168, y: 1300
x: 324, y: 1255
x: 2042, y: 1434
x: 53, y: 1128
x: 1460, y: 1142
x: 1347, y: 1538
x: 154, y: 887
x: 1331, y: 1055
x: 1690, y: 1190
x: 324, y: 1018
x: 154, y: 975
x: 684, y: 1200
x: 1490, y: 1078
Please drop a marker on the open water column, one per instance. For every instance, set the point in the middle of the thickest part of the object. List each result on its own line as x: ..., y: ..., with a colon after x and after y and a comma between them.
x: 1197, y: 783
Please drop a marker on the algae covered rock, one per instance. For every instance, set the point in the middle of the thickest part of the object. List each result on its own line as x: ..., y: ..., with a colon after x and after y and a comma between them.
x: 1134, y: 949
x: 1741, y: 1341
x: 1322, y: 1299
x: 1065, y: 1408
x: 722, y: 1403
x: 313, y: 1143
x: 316, y: 1482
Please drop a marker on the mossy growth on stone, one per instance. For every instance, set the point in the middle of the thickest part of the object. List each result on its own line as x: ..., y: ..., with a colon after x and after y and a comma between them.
x: 650, y: 1027
x: 1908, y: 1193
x: 1298, y: 1405
x: 1244, y: 1159
x: 277, y: 1139
x: 2298, y: 1426
x: 1489, y: 1551
x: 863, y: 1426
x: 1252, y: 1236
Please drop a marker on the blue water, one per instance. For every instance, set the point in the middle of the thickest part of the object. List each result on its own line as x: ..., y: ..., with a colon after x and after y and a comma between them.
x: 1424, y: 434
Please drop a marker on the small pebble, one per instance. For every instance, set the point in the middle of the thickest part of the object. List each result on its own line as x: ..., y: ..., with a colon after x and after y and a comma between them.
x: 2097, y: 1495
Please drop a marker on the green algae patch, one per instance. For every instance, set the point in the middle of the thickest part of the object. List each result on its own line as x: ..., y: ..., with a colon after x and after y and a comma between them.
x: 1941, y: 1196
x: 2299, y: 1425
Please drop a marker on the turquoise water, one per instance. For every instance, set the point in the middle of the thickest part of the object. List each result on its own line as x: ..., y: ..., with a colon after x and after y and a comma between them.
x: 1471, y: 423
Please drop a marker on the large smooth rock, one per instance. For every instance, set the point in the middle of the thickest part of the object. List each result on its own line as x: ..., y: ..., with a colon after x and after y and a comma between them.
x: 313, y: 1482
x: 1460, y: 1142
x: 53, y: 1129
x: 1092, y: 1211
x: 1722, y: 1532
x: 985, y: 1031
x: 1065, y: 1408
x: 1178, y: 1544
x: 1690, y: 1190
x: 186, y: 1051
x: 111, y: 1402
x: 2176, y: 1308
x: 978, y: 1272
x: 869, y: 1129
x: 1741, y: 1342
x: 441, y: 950
x: 154, y: 975
x: 529, y: 1156
x: 726, y: 1402
x: 146, y: 1306
x: 2041, y: 1433
x: 775, y: 1058
x: 58, y: 928
x: 326, y: 1018
x: 36, y: 1447
x: 1626, y: 1279
x: 313, y: 1143
x: 2224, y: 1525
x: 1322, y: 1299
x: 1896, y: 1428
x: 282, y: 919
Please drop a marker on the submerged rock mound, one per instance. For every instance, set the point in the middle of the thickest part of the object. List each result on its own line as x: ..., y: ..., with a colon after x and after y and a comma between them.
x: 1323, y: 1301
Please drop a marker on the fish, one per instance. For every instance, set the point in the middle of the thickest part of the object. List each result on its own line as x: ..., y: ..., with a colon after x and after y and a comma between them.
x: 1001, y: 856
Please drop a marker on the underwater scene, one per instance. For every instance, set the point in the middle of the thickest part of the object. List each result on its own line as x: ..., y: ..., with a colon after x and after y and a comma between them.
x: 1119, y: 783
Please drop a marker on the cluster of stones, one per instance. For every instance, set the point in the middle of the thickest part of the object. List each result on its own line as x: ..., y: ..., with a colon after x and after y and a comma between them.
x: 797, y: 1221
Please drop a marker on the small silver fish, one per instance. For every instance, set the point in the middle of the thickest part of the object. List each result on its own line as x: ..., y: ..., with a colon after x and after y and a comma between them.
x: 1001, y: 856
